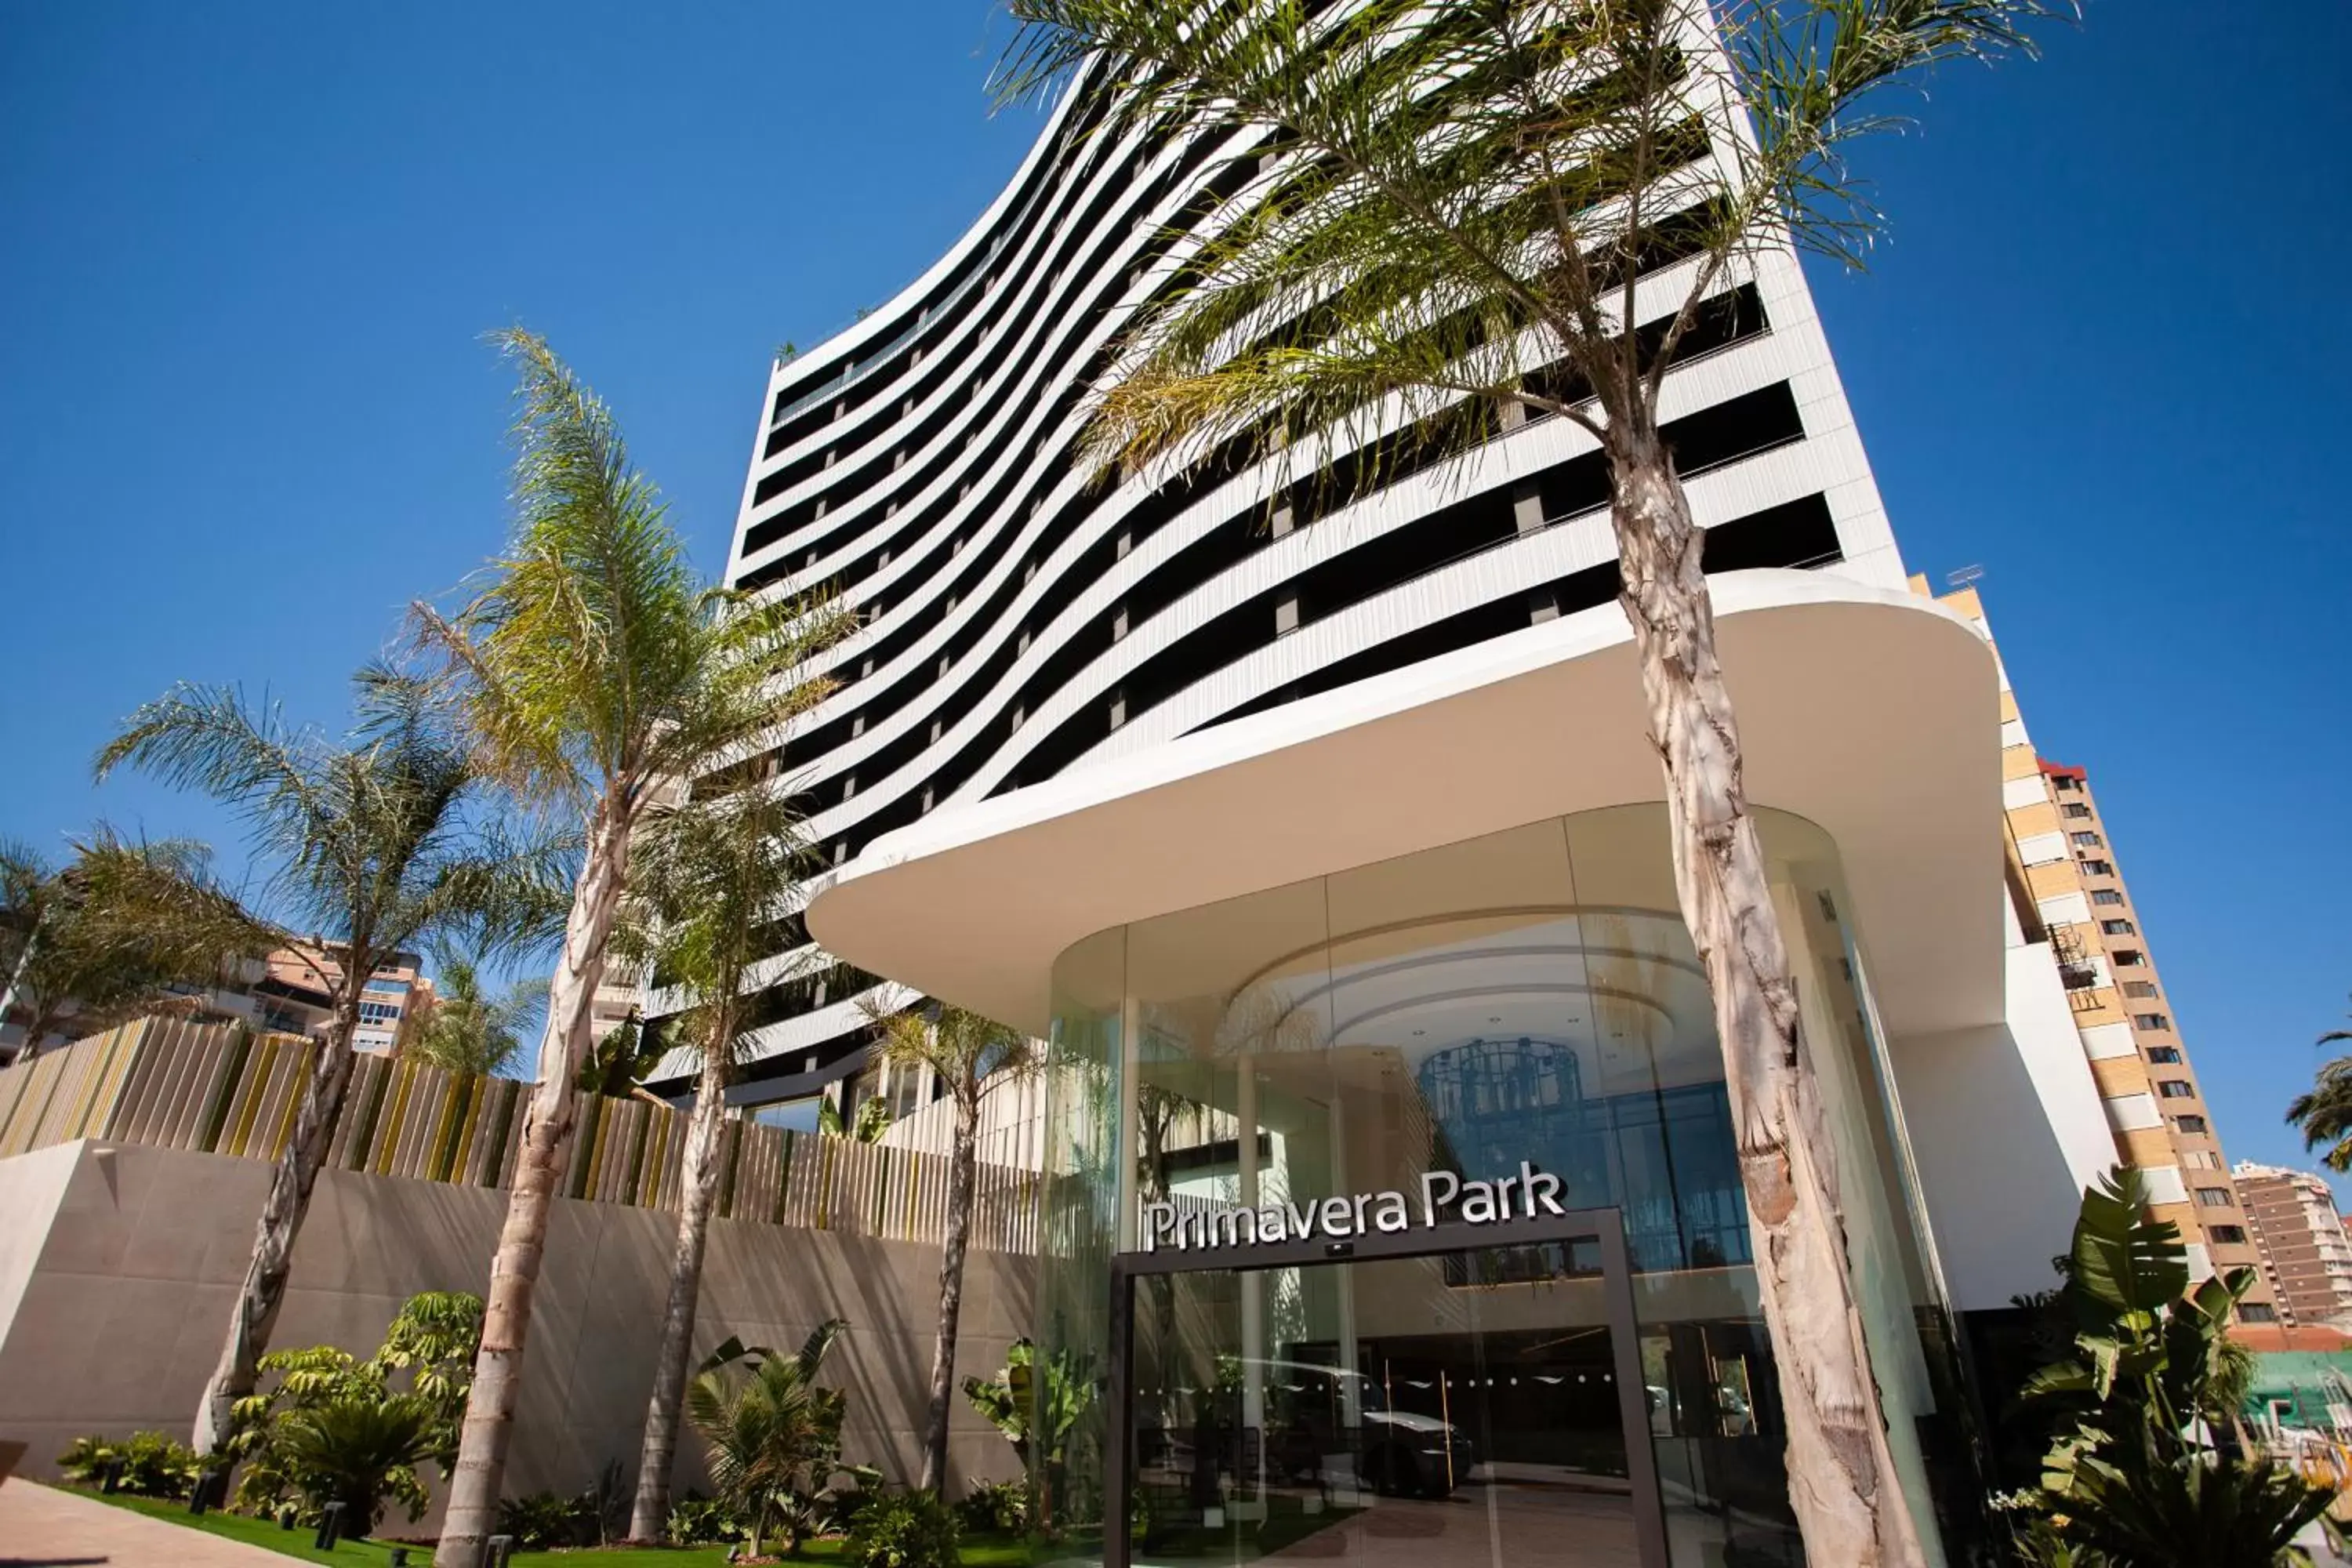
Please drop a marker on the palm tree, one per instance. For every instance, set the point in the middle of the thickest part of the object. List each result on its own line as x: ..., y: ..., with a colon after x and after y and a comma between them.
x: 770, y: 1430
x: 2325, y: 1115
x: 971, y: 1057
x: 470, y: 1031
x: 373, y: 841
x: 713, y: 878
x: 592, y: 666
x: 1470, y: 215
x: 127, y: 927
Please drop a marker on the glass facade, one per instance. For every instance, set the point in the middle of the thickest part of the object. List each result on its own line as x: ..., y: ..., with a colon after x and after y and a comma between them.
x: 1528, y: 1001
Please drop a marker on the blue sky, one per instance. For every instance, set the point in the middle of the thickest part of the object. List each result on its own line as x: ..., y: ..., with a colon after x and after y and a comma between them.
x: 247, y: 252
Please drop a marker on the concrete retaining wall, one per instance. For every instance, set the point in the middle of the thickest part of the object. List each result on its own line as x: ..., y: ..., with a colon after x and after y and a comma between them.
x: 119, y: 1262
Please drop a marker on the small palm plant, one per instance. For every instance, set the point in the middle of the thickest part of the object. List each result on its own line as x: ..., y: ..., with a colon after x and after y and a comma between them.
x: 347, y: 1450
x: 772, y: 1435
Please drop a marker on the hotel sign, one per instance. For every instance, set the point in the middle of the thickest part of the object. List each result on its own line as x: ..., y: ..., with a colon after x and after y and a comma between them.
x: 1445, y: 1198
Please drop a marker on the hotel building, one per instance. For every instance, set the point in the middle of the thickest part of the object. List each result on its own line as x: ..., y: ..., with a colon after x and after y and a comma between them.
x: 1320, y: 839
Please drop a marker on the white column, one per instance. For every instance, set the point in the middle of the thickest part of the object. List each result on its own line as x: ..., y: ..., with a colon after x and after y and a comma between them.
x: 1352, y: 1396
x: 1254, y: 1281
x: 1125, y: 1069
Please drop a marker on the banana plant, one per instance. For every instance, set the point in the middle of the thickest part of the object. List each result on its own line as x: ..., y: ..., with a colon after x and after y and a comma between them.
x: 2147, y: 1466
x: 1036, y: 1403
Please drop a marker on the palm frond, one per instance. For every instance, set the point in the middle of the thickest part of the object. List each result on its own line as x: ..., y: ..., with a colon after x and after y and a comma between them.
x: 971, y: 1053
x: 375, y: 840
x: 2324, y: 1114
x: 1426, y: 213
x: 210, y: 740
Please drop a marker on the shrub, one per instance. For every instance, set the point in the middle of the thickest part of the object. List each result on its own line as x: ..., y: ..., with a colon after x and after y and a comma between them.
x: 297, y: 1456
x: 995, y: 1508
x: 540, y: 1521
x: 699, y: 1521
x: 850, y: 1504
x: 154, y: 1464
x: 911, y: 1529
x: 353, y: 1451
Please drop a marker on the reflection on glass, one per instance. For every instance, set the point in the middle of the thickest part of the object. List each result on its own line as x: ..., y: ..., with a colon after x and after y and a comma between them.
x: 1401, y: 1417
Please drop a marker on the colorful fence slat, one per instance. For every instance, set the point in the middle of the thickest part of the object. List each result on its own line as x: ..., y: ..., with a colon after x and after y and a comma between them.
x: 218, y: 1089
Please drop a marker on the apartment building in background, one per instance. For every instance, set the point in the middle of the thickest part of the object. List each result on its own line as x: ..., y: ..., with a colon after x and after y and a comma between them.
x: 2066, y: 853
x: 2305, y: 1252
x: 289, y: 992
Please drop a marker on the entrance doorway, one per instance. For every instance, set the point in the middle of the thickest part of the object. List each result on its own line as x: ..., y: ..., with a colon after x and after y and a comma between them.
x: 1442, y: 1396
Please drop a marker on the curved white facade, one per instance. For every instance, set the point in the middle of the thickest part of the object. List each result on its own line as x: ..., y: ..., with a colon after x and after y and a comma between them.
x: 1022, y: 623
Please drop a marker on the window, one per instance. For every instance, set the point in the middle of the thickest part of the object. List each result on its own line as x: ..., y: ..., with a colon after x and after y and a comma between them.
x: 2119, y: 928
x: 2194, y: 1126
x: 2076, y: 808
x: 2214, y: 1198
x: 2086, y: 839
x: 2139, y: 988
x: 2151, y: 1021
x: 793, y: 1115
x: 2098, y: 867
x: 2177, y: 1089
x: 378, y: 1013
x: 2256, y: 1312
x: 2105, y: 896
x: 2227, y: 1234
x: 2064, y: 785
x: 2200, y: 1159
x: 2127, y: 957
x: 2167, y: 1054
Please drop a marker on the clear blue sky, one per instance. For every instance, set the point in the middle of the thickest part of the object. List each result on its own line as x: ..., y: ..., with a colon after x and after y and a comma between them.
x: 247, y: 251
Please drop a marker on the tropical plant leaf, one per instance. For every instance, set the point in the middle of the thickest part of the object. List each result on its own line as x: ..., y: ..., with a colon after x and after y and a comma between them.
x: 2124, y: 1263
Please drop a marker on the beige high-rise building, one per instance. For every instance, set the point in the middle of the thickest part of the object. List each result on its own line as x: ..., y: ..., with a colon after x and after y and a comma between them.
x: 2065, y: 857
x: 2307, y: 1255
x: 287, y: 991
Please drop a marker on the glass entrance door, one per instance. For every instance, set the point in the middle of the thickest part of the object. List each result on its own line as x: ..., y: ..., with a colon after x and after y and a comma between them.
x: 1401, y: 1401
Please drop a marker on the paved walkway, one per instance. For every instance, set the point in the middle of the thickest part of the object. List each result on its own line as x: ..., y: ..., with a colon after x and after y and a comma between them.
x: 41, y: 1527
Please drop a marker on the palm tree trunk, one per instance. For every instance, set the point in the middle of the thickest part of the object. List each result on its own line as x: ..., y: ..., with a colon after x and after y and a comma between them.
x: 480, y: 1475
x: 649, y: 1519
x: 255, y: 1312
x: 1847, y: 1496
x: 962, y: 1163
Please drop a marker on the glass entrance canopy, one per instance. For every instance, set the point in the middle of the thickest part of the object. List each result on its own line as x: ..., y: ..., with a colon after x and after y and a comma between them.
x: 1521, y: 1007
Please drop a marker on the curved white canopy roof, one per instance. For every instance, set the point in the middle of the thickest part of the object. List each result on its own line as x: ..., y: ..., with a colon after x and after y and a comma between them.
x: 1873, y: 713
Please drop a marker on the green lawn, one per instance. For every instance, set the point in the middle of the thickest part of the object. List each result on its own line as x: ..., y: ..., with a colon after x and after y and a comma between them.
x: 296, y: 1543
x: 291, y: 1542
